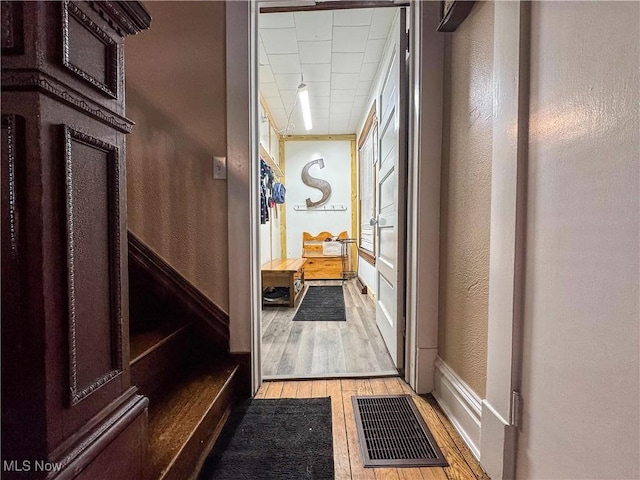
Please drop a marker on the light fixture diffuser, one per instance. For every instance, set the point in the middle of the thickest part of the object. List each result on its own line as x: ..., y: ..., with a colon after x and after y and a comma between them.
x: 303, y: 93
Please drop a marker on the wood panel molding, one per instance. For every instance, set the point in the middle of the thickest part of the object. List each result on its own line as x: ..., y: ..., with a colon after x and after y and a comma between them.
x: 170, y: 283
x: 110, y: 88
x: 10, y: 124
x: 36, y: 80
x: 113, y: 212
x: 126, y: 18
x: 99, y: 436
x: 12, y: 28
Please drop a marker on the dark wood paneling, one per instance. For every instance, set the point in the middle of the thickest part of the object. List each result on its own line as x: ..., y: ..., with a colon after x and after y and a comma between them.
x: 88, y: 51
x: 12, y: 28
x: 65, y: 383
x: 92, y: 179
x: 170, y: 286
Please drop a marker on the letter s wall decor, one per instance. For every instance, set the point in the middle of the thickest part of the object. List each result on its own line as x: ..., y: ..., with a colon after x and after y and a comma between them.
x: 318, y: 183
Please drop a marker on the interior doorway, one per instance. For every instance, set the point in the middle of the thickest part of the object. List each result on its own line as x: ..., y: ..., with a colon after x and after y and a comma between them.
x: 341, y: 64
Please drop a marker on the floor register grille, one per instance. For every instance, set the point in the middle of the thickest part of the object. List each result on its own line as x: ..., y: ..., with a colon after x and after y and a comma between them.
x: 392, y: 433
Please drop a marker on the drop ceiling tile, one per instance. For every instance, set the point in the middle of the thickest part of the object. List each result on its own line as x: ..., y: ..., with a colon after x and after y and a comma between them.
x: 266, y: 75
x: 275, y: 20
x: 374, y: 51
x: 315, y: 52
x: 269, y: 90
x: 320, y: 126
x: 319, y: 102
x: 313, y: 26
x: 343, y: 81
x: 274, y: 103
x: 381, y: 22
x: 318, y: 89
x: 360, y: 101
x: 287, y: 81
x: 363, y: 88
x: 320, y: 113
x: 316, y: 72
x: 288, y: 97
x: 285, y: 63
x: 342, y: 96
x: 340, y: 108
x: 368, y: 71
x: 263, y: 59
x: 279, y: 40
x: 346, y: 62
x: 352, y: 17
x: 349, y: 39
x: 338, y: 128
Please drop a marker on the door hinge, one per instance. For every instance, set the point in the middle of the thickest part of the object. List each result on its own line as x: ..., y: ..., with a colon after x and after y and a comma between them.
x: 408, y: 41
x: 516, y: 408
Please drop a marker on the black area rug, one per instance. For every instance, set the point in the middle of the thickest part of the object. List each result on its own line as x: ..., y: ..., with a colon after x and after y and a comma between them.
x: 322, y: 304
x: 273, y: 440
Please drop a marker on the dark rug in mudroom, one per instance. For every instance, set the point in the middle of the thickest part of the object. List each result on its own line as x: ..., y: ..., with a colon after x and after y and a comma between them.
x: 274, y: 440
x: 322, y: 304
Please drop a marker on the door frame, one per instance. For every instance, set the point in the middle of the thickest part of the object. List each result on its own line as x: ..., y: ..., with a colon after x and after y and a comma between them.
x: 425, y: 135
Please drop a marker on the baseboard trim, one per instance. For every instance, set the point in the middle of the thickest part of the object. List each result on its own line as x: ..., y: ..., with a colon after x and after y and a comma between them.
x: 362, y: 286
x: 461, y: 404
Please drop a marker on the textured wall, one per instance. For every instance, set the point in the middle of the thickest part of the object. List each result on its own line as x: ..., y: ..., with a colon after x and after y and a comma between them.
x: 466, y: 197
x: 176, y: 96
x: 581, y: 340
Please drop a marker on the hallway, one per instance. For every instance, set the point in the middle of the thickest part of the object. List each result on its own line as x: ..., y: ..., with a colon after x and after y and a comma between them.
x: 347, y: 457
x: 320, y: 349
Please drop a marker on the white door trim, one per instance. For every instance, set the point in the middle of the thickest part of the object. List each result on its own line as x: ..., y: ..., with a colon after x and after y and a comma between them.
x: 242, y: 183
x: 423, y: 214
x: 506, y: 256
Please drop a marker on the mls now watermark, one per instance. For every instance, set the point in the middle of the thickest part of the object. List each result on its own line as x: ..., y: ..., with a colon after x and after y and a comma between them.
x: 30, y: 466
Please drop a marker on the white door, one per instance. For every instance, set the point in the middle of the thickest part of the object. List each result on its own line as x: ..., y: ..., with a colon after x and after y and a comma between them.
x: 390, y: 199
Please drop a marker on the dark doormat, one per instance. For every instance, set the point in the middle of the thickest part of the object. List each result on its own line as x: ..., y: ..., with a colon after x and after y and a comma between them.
x: 274, y: 439
x: 322, y: 304
x: 392, y: 433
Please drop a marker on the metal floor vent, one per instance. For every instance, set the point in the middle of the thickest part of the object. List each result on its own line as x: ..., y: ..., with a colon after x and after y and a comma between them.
x: 392, y: 433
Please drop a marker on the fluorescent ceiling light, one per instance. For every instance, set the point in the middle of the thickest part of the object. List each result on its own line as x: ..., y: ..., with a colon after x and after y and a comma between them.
x: 303, y: 93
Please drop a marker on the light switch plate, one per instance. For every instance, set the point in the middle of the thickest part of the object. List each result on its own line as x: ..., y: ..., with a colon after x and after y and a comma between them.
x: 219, y: 168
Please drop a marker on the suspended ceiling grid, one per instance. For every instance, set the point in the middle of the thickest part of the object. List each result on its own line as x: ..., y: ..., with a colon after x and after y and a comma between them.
x: 337, y: 52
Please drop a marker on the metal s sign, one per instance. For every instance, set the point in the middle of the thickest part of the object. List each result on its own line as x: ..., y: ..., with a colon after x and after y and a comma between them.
x: 318, y: 183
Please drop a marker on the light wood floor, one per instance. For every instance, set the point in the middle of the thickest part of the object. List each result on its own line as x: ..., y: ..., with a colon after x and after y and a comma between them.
x: 324, y: 349
x: 346, y: 450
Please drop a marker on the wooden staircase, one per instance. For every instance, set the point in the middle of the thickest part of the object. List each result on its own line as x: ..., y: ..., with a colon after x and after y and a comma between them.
x: 180, y: 361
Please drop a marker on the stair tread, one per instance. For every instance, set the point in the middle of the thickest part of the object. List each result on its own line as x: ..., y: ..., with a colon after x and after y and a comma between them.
x: 178, y: 410
x: 142, y: 342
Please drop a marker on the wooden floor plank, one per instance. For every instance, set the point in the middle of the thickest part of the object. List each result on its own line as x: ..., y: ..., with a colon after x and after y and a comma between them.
x: 289, y: 390
x: 319, y: 388
x: 341, y: 462
x: 358, y: 472
x: 274, y: 390
x: 304, y: 389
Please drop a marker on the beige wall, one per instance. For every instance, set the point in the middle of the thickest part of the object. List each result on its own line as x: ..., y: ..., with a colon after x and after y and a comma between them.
x: 581, y: 339
x: 466, y: 198
x: 176, y: 95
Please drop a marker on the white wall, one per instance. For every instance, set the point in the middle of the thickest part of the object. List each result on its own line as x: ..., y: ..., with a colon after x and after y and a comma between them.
x: 581, y: 335
x: 270, y: 237
x: 337, y: 171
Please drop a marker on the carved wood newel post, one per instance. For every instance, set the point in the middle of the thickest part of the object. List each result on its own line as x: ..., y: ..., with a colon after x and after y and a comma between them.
x: 68, y: 409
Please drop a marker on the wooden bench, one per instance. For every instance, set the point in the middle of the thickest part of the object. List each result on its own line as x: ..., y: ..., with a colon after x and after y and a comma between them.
x: 284, y: 273
x: 320, y: 266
